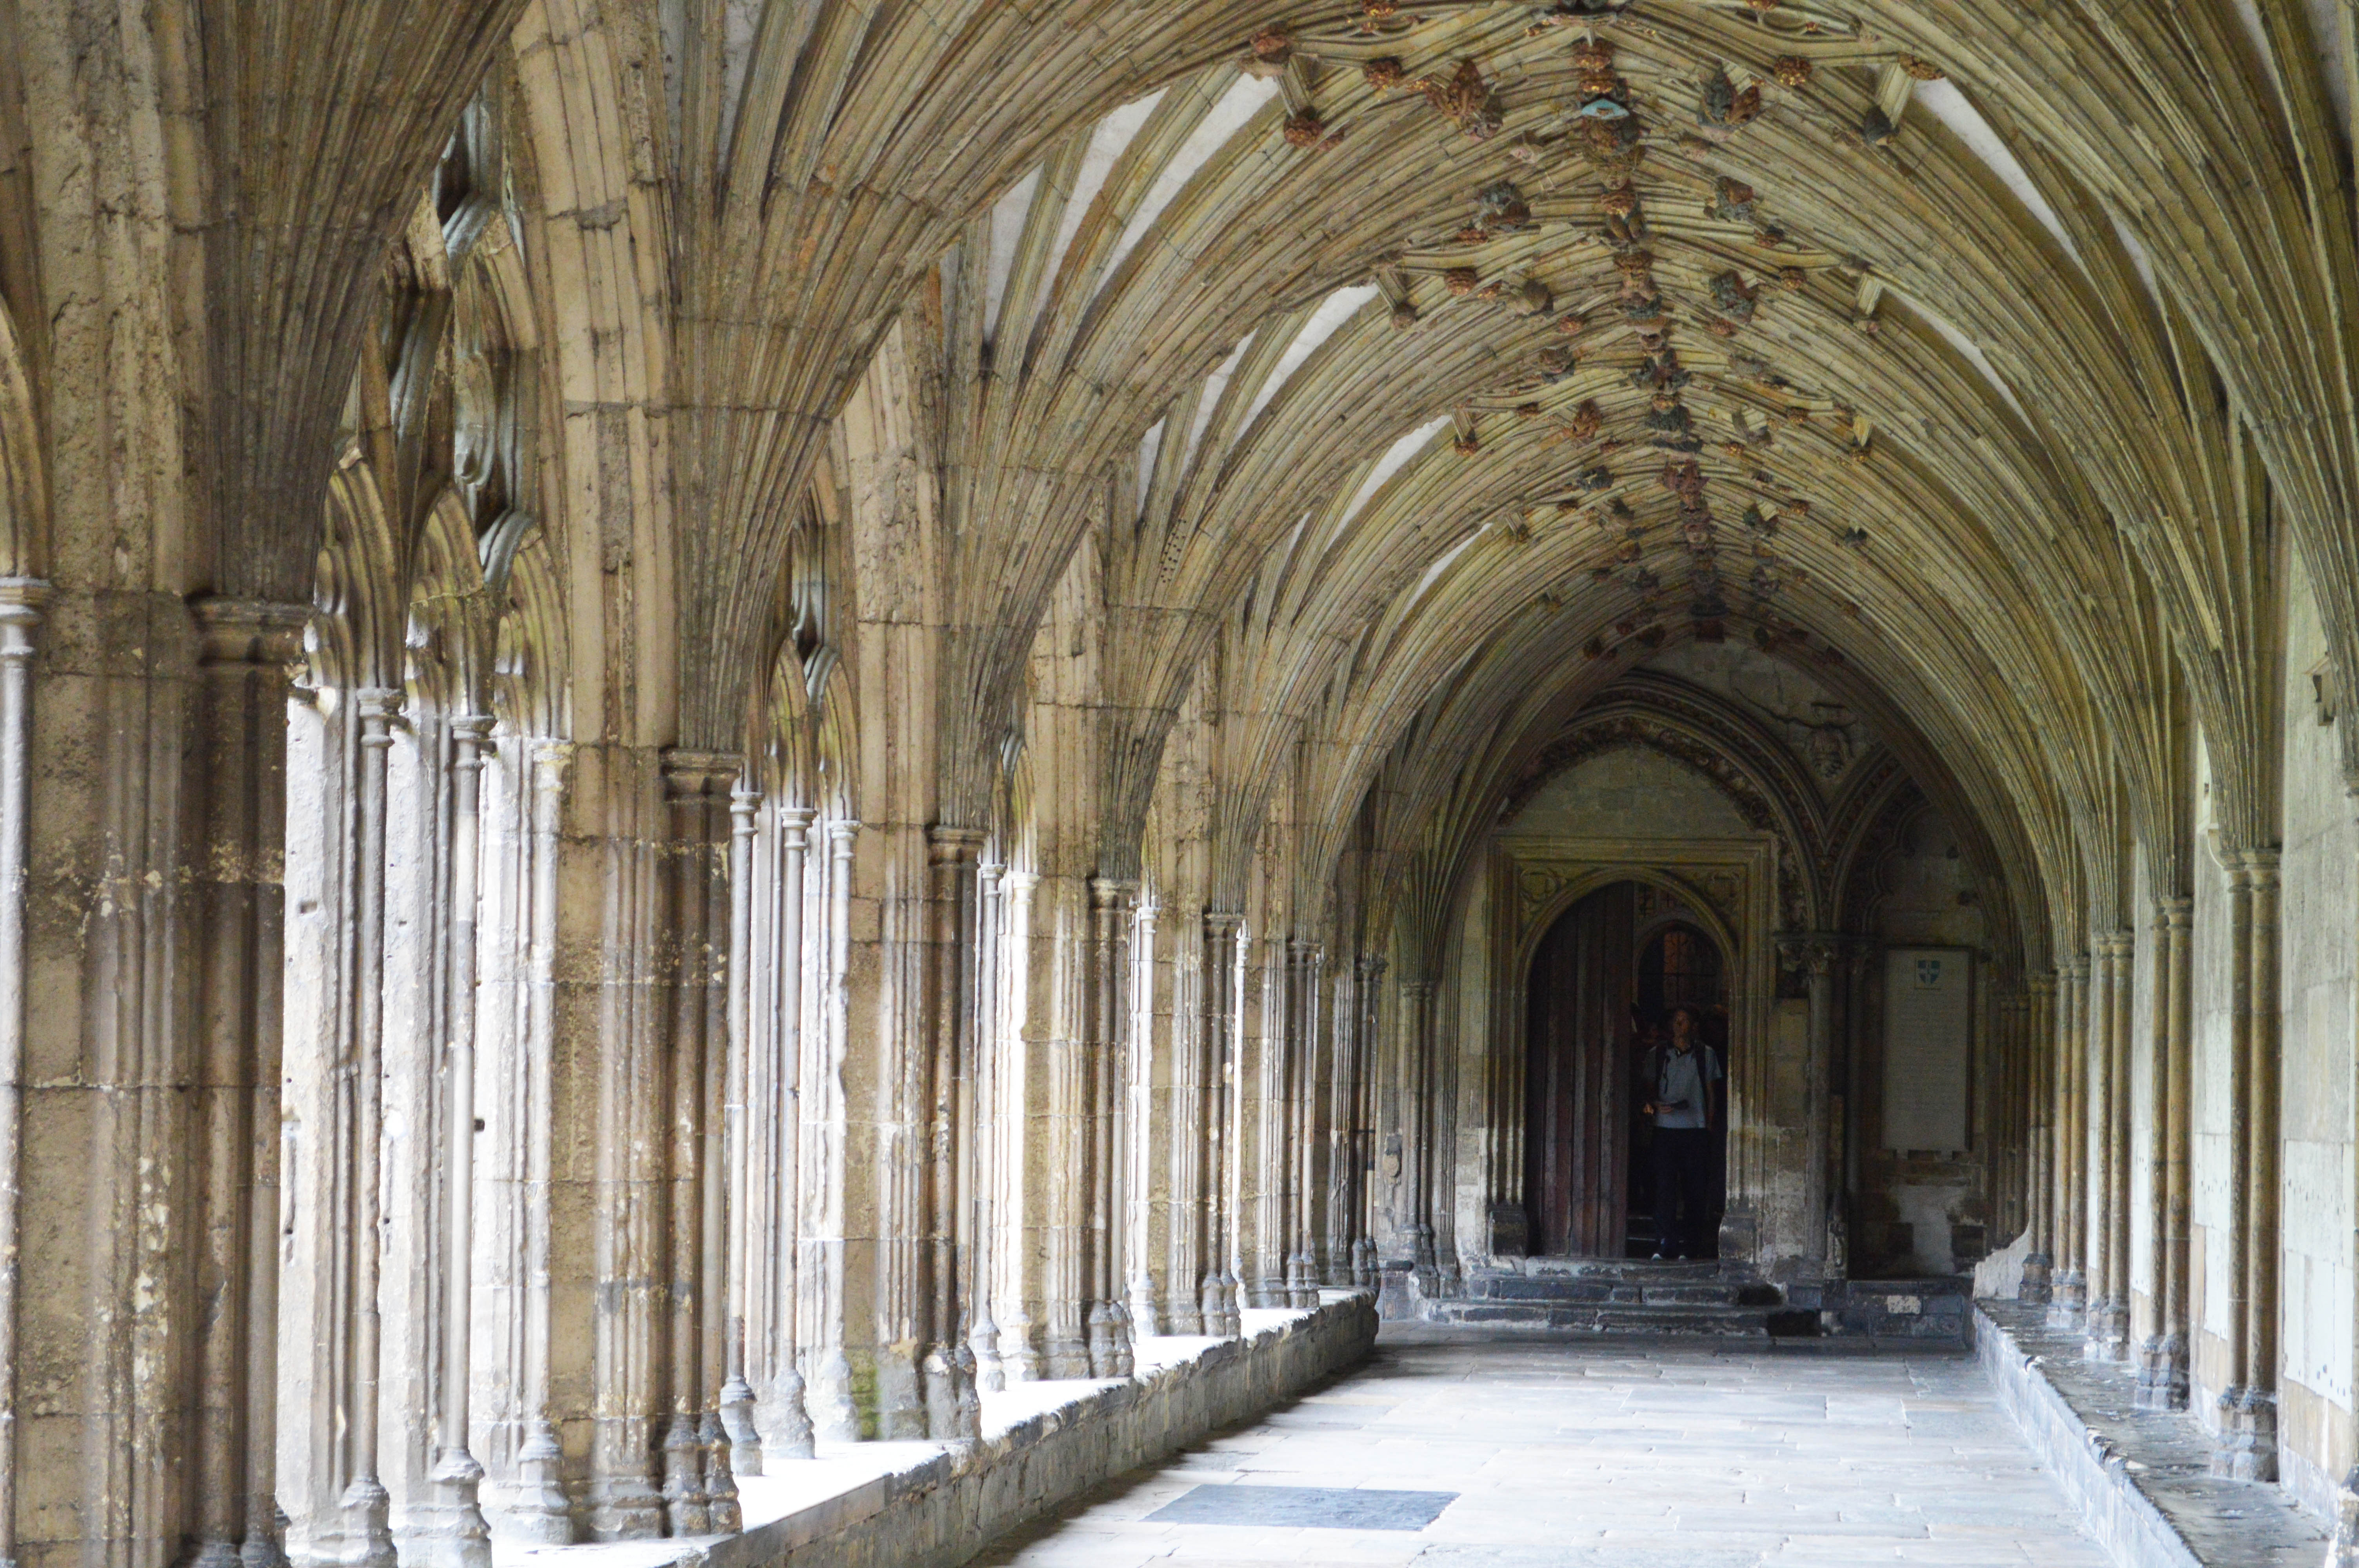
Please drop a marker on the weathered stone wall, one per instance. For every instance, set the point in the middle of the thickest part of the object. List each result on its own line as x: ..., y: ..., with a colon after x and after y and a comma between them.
x: 2320, y: 904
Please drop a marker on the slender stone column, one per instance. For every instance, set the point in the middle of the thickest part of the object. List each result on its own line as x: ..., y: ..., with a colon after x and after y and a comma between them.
x: 460, y: 1538
x: 827, y: 1285
x: 2162, y: 1356
x: 1824, y: 1230
x: 2069, y: 1303
x: 700, y: 1495
x: 1144, y: 1133
x: 2248, y: 1445
x: 2235, y: 1452
x: 990, y: 1135
x: 1220, y: 1286
x: 1364, y: 1122
x: 2109, y: 1014
x: 1303, y: 979
x: 2039, y: 1052
x: 736, y: 1393
x: 338, y: 1506
x: 246, y: 651
x: 1108, y: 1325
x: 945, y: 1363
x: 1417, y: 1040
x: 532, y: 1507
x: 784, y: 1423
x: 1340, y: 1100
x: 221, y: 1518
x: 1189, y: 1259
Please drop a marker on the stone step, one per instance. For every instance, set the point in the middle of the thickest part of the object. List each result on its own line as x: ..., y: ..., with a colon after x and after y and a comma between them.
x: 1577, y: 1290
x: 1696, y: 1320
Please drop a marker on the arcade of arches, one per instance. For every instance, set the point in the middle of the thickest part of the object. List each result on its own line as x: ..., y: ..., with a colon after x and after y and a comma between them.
x: 724, y: 723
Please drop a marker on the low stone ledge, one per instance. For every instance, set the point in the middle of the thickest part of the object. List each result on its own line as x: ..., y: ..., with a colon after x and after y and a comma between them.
x: 2137, y: 1476
x: 925, y: 1505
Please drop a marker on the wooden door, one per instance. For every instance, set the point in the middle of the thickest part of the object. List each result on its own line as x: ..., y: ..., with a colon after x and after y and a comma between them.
x: 1576, y: 1146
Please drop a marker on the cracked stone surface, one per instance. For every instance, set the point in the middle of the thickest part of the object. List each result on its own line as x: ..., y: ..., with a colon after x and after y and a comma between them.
x: 1632, y: 1452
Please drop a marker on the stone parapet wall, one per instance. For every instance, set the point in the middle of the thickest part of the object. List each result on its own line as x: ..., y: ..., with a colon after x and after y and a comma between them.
x: 2138, y: 1478
x: 944, y: 1507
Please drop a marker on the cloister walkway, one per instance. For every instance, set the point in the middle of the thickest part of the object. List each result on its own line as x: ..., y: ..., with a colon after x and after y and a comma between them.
x: 1457, y: 1448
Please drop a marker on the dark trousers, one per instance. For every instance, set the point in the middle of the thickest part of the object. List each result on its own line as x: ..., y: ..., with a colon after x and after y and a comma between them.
x: 1683, y: 1190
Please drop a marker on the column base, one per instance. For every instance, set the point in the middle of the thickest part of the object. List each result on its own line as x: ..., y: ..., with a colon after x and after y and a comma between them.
x: 2037, y: 1287
x: 835, y: 1415
x: 900, y: 1405
x: 953, y: 1412
x: 2162, y: 1374
x: 2068, y: 1303
x: 456, y: 1535
x: 786, y: 1423
x: 737, y: 1420
x: 2245, y: 1447
x: 687, y: 1510
x: 623, y: 1502
x: 982, y: 1344
x: 722, y: 1514
x: 2107, y: 1325
x: 1363, y: 1263
x: 1182, y: 1314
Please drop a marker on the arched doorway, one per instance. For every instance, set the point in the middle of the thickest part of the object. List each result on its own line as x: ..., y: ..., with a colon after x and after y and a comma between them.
x: 1602, y: 989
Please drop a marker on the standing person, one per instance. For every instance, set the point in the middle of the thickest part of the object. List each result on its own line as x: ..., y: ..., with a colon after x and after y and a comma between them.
x: 1681, y: 1076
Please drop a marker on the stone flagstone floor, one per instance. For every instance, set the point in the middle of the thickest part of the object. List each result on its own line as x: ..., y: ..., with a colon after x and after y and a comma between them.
x: 1635, y: 1453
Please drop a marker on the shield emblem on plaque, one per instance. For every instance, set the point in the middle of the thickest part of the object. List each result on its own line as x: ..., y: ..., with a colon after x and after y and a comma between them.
x: 1928, y: 973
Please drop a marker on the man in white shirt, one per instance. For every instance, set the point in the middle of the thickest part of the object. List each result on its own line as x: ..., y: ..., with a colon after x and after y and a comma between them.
x: 1681, y: 1079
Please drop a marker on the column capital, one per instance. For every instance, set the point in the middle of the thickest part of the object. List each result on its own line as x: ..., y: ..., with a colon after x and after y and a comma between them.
x: 689, y: 774
x: 841, y: 832
x: 2176, y: 912
x: 1373, y: 966
x: 1112, y: 892
x: 257, y: 632
x: 945, y: 844
x: 1222, y: 924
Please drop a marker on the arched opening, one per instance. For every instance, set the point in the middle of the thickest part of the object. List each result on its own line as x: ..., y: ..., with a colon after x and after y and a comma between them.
x: 1603, y: 987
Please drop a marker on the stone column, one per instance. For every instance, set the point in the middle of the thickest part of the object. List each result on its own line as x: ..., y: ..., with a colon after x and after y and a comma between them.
x: 246, y: 651
x: 699, y: 1490
x: 2246, y: 1446
x: 1417, y: 1121
x: 990, y: 1133
x: 945, y: 1362
x: 1363, y: 1126
x: 2041, y: 1058
x: 1146, y: 1126
x: 736, y: 1393
x: 831, y: 1286
x: 1189, y: 1260
x: 2237, y: 1449
x: 1342, y: 1104
x: 458, y: 1536
x: 516, y: 1036
x: 1108, y: 1325
x: 2109, y: 1015
x: 1220, y: 1284
x: 1824, y: 1228
x: 1303, y: 979
x: 2162, y: 1355
x: 779, y: 1417
x: 221, y: 1518
x: 330, y: 1330
x: 2069, y: 1301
